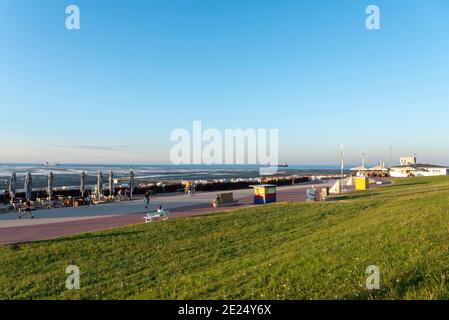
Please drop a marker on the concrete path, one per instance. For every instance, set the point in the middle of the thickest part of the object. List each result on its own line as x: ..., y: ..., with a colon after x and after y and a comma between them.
x: 65, y: 221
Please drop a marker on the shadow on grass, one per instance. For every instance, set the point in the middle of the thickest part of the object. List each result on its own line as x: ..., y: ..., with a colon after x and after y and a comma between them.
x: 352, y: 196
x: 108, y: 235
x: 408, y: 184
x: 83, y: 236
x: 14, y: 246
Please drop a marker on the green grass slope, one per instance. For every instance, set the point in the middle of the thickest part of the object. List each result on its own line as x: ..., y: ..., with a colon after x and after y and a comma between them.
x: 280, y: 251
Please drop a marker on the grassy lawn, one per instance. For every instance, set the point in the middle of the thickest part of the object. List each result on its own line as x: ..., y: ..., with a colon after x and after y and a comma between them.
x: 280, y: 251
x: 401, y: 187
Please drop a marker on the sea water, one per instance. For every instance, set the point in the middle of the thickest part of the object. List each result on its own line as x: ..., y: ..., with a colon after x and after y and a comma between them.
x: 69, y: 174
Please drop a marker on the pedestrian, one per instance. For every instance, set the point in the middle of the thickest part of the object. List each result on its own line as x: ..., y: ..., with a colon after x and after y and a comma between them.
x: 27, y: 210
x: 89, y: 199
x: 146, y: 199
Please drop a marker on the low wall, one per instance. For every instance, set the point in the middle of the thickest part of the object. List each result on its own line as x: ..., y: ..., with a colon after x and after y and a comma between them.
x: 166, y: 188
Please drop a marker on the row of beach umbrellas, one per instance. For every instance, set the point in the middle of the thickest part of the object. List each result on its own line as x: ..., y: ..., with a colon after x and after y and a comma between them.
x: 28, y: 184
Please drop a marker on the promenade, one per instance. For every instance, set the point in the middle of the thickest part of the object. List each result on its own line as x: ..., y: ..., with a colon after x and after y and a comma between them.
x: 66, y: 221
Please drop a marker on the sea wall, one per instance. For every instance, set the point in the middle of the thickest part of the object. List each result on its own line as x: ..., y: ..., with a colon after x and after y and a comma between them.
x: 169, y: 187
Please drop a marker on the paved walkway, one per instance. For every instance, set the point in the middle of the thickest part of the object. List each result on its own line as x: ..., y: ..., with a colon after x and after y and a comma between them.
x: 66, y: 221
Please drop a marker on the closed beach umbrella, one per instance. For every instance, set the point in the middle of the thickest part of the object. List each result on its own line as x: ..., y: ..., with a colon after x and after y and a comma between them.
x: 12, y: 186
x: 111, y: 183
x: 131, y: 184
x: 50, y: 185
x: 100, y: 183
x: 82, y: 183
x: 28, y: 186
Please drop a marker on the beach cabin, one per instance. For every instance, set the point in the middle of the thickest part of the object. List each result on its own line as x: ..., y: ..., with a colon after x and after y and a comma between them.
x: 361, y: 183
x: 264, y: 193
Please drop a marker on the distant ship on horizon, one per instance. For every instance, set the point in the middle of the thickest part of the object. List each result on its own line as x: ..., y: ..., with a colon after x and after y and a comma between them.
x: 283, y: 165
x: 50, y: 164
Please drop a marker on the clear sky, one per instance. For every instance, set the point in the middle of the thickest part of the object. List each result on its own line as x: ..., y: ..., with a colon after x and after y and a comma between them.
x: 115, y: 89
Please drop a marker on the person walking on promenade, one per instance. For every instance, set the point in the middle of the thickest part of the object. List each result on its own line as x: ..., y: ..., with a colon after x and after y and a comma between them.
x: 27, y: 210
x: 89, y: 200
x: 146, y: 199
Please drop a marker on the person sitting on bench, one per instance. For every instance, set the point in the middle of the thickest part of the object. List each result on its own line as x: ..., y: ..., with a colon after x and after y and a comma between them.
x: 159, y: 213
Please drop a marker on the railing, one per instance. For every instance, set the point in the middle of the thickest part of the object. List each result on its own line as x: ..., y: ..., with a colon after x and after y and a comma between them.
x: 385, y: 193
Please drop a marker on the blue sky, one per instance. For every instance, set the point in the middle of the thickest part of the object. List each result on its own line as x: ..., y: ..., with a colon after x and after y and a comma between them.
x: 115, y: 89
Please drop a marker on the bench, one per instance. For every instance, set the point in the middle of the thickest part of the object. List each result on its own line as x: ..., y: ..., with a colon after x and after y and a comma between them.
x: 156, y: 214
x: 224, y: 199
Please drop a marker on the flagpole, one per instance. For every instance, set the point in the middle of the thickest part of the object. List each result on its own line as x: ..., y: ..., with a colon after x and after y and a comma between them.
x: 342, y: 165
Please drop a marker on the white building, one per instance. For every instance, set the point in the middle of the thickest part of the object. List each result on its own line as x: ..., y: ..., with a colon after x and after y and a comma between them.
x: 418, y: 170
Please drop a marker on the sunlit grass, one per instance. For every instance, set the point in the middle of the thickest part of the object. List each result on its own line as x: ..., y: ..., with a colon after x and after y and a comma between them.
x: 280, y: 251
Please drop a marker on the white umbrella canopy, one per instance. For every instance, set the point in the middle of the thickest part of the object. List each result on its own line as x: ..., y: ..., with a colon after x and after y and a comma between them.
x: 378, y: 168
x: 50, y: 185
x: 28, y: 186
x: 111, y: 184
x: 82, y: 183
x: 131, y: 184
x: 359, y: 168
x: 12, y: 186
x: 100, y: 183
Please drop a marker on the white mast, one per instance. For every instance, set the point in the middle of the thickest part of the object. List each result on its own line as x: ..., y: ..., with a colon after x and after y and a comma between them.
x: 342, y: 168
x: 342, y: 161
x: 391, y: 156
x: 363, y: 160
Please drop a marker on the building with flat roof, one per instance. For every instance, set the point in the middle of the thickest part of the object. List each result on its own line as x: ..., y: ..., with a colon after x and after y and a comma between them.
x: 409, y: 167
x: 418, y: 170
